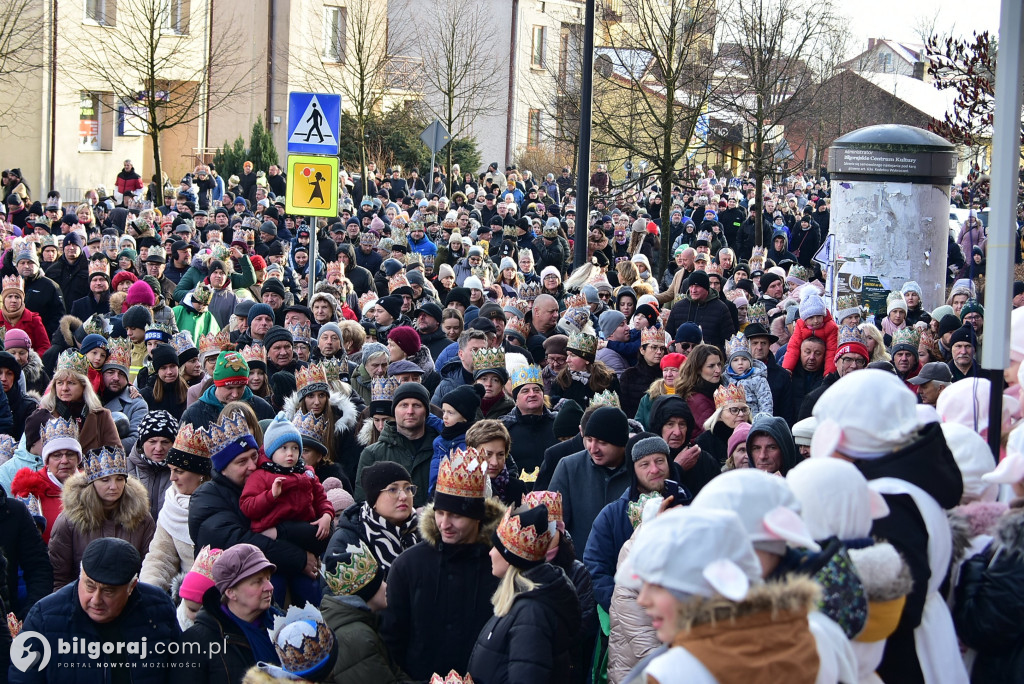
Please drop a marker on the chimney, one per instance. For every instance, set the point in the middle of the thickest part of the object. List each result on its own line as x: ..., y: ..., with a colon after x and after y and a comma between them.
x: 871, y: 43
x: 919, y: 70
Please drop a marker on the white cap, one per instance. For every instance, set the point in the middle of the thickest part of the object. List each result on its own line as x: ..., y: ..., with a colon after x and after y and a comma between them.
x: 835, y: 498
x: 974, y: 458
x: 803, y: 431
x: 769, y: 511
x: 966, y: 402
x: 473, y: 283
x: 866, y: 414
x: 694, y: 552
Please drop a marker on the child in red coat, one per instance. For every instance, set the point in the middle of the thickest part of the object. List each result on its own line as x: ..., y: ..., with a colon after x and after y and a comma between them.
x: 815, y: 320
x: 94, y: 348
x: 284, y: 489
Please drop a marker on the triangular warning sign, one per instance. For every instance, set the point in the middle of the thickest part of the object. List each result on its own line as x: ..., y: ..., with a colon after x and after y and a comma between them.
x: 312, y: 127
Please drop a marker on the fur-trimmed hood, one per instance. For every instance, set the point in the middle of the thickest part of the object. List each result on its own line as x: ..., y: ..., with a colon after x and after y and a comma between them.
x: 1009, y: 532
x: 365, y: 436
x: 795, y: 594
x: 68, y: 325
x: 132, y: 512
x: 493, y: 512
x: 344, y: 408
x: 331, y: 300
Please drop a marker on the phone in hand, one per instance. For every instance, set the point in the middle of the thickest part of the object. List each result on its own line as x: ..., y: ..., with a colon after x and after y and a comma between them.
x: 680, y: 495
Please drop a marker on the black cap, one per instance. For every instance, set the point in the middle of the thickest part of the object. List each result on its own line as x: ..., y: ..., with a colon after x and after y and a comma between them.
x: 112, y: 561
x: 483, y: 324
x: 430, y: 309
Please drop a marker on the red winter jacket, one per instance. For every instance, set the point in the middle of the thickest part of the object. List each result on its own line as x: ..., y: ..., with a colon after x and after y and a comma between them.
x: 302, y: 498
x: 828, y: 332
x: 27, y: 481
x: 32, y: 324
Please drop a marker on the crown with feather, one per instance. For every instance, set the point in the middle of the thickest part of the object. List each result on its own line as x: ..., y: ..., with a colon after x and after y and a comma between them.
x: 488, y: 359
x: 518, y: 325
x: 652, y: 335
x: 730, y: 395
x: 104, y: 462
x: 756, y: 313
x: 301, y: 331
x: 530, y: 291
x: 527, y: 375
x: 351, y: 576
x: 463, y: 474
x: 529, y: 541
x: 302, y: 639
x: 553, y: 500
x: 737, y: 344
x: 452, y: 678
x: 606, y: 398
x: 74, y: 361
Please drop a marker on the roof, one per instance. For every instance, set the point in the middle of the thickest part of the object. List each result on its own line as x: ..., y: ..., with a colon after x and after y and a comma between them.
x: 922, y: 96
x: 908, y: 52
x: 631, y: 64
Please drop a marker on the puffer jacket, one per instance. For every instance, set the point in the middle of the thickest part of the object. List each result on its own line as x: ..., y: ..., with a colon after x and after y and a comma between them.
x: 29, y: 481
x: 531, y: 644
x: 362, y: 656
x: 345, y: 448
x: 632, y: 637
x: 712, y: 315
x: 530, y: 435
x: 156, y: 478
x: 756, y: 387
x: 171, y: 552
x: 391, y: 446
x: 583, y: 642
x: 80, y: 523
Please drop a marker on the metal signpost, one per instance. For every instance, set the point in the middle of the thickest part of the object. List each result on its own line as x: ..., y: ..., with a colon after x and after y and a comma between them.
x: 435, y: 137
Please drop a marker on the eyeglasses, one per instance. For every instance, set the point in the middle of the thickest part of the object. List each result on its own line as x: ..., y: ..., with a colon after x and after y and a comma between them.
x: 393, y: 492
x: 857, y: 361
x: 739, y: 410
x: 685, y: 346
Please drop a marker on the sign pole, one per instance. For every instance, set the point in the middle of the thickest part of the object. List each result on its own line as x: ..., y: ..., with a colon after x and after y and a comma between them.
x: 313, y: 256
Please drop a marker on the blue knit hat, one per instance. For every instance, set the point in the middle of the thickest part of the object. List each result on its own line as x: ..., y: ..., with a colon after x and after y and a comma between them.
x: 278, y: 433
x: 93, y: 341
x: 259, y: 309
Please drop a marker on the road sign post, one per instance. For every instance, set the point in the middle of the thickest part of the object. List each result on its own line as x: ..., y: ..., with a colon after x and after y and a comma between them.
x: 435, y: 137
x: 314, y: 123
x: 312, y: 186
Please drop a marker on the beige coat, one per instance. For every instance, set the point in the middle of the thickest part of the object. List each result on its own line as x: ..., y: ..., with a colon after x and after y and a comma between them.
x: 171, y: 551
x: 632, y: 636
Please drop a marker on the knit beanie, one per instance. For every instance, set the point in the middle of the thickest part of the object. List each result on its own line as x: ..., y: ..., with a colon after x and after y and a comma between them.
x: 473, y: 283
x: 690, y: 333
x: 231, y: 370
x: 137, y: 316
x: 282, y: 385
x: 392, y: 266
x: 608, y: 424
x: 609, y: 322
x: 411, y: 390
x: 963, y: 334
x: 274, y: 286
x: 567, y: 420
x: 163, y: 355
x: 392, y: 304
x: 911, y: 286
x: 895, y: 302
x: 140, y: 293
x: 278, y: 433
x: 811, y: 305
x: 379, y: 476
x: 739, y: 436
x: 700, y: 279
x: 157, y: 424
x: 972, y: 306
x: 259, y: 309
x: 336, y: 494
x: 644, y: 444
x: 465, y: 400
x: 276, y: 334
x: 949, y: 323
x: 766, y: 281
x: 407, y: 339
x: 18, y: 339
x: 329, y: 327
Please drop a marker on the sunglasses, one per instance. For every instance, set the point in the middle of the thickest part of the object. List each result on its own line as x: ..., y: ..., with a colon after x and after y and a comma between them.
x: 685, y: 346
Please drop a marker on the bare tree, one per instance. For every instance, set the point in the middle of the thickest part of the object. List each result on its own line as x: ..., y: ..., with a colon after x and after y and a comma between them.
x: 157, y: 62
x: 461, y: 81
x: 775, y: 54
x: 21, y: 29
x: 657, y: 77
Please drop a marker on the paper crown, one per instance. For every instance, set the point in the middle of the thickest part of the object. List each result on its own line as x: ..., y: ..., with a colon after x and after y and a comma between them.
x: 367, y: 238
x: 483, y: 273
x: 311, y: 426
x: 846, y: 305
x: 799, y: 273
x: 104, y: 462
x: 756, y: 314
x: 202, y: 294
x: 730, y: 395
x: 906, y: 336
x: 452, y: 678
x: 366, y: 299
x: 74, y: 361
x: 301, y: 332
x: 529, y: 291
x: 302, y: 639
x: 528, y: 541
x: 396, y: 281
x: 192, y: 441
x: 553, y: 500
x: 182, y: 341
x: 450, y: 221
x: 203, y: 564
x: 254, y: 352
x: 398, y: 237
x: 242, y: 235
x: 95, y: 325
x: 218, y: 342
x: 652, y: 335
x: 59, y: 428
x: 574, y: 320
x: 488, y: 358
x: 383, y: 389
x: 518, y: 325
x: 334, y: 369
x: 13, y: 282
x: 527, y: 375
x: 334, y: 271
x: 850, y: 334
x: 350, y: 577
x: 226, y: 431
x: 759, y: 253
x: 583, y: 343
x: 703, y: 236
x: 99, y: 266
x: 737, y: 344
x: 31, y: 501
x: 7, y: 445
x: 159, y: 331
x: 520, y: 305
x: 463, y: 474
x: 606, y: 398
x: 384, y: 244
x: 635, y: 509
x: 311, y: 379
x: 119, y: 353
x: 529, y: 475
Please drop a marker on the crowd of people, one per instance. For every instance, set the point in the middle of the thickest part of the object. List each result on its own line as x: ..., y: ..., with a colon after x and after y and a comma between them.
x: 458, y: 458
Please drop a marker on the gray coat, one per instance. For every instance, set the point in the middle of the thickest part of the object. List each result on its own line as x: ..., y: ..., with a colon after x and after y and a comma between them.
x: 155, y: 478
x: 586, y: 489
x: 135, y: 410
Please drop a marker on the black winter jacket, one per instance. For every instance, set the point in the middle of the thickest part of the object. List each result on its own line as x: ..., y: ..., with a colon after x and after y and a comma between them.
x: 554, y: 454
x: 212, y: 626
x: 531, y: 437
x: 73, y: 279
x: 44, y: 297
x: 25, y: 551
x: 779, y: 381
x: 532, y: 643
x: 712, y: 315
x: 583, y: 644
x: 634, y: 383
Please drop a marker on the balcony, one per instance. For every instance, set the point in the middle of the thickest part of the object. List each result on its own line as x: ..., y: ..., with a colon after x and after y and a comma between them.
x: 405, y: 74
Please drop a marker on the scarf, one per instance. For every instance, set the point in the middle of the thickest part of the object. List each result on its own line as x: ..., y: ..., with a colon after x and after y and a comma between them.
x: 582, y: 377
x: 257, y: 635
x: 270, y: 466
x: 174, y: 515
x: 386, y: 540
x: 76, y: 410
x: 451, y: 432
x: 15, y: 318
x: 500, y: 483
x: 148, y: 461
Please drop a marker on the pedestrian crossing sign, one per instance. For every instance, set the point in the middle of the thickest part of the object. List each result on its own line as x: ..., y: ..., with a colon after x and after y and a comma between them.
x: 314, y: 120
x: 312, y: 186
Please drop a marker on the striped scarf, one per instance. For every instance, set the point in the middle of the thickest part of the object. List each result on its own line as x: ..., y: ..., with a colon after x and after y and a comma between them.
x: 385, y: 540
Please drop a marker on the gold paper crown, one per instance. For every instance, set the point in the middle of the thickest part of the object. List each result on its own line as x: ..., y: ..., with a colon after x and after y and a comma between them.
x: 635, y: 509
x: 301, y: 332
x: 182, y: 341
x: 713, y: 269
x: 908, y: 336
x: 583, y: 343
x: 514, y: 303
x: 398, y: 237
x: 99, y: 266
x: 728, y: 395
x: 651, y: 334
x: 311, y: 426
x: 334, y: 368
x: 254, y: 352
x: 451, y: 221
x: 302, y: 639
x: 759, y: 253
x: 756, y: 314
x: 368, y: 297
x: 529, y: 475
x: 227, y: 430
x: 119, y: 352
x: 414, y: 258
x: 74, y: 361
x: 311, y: 376
x: 800, y: 273
x: 488, y: 358
x: 606, y: 398
x: 203, y: 564
x: 191, y: 441
x: 400, y: 221
x: 351, y: 576
x: 483, y: 273
x: 95, y: 325
x: 242, y: 235
x: 553, y: 500
x: 576, y: 301
x: 452, y: 678
x: 215, y: 342
x: 849, y: 334
x: 59, y: 428
x: 463, y: 474
x: 737, y: 343
x: 527, y: 375
x: 518, y: 325
x: 13, y: 282
x: 848, y: 303
x: 529, y: 291
x: 396, y: 281
x: 383, y: 389
x: 526, y: 542
x: 333, y: 270
x: 104, y: 462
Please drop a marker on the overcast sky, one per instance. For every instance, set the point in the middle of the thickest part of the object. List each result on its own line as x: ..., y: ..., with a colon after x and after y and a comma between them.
x: 896, y: 19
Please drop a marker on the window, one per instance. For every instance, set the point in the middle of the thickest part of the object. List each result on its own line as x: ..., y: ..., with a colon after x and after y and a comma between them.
x: 100, y: 11
x: 537, y: 48
x: 533, y: 128
x: 90, y: 123
x: 334, y: 33
x: 176, y: 16
x: 885, y: 60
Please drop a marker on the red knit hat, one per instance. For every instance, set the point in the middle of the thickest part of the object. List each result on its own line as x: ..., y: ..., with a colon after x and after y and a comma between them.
x: 258, y: 263
x: 140, y: 293
x: 406, y: 338
x: 123, y: 276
